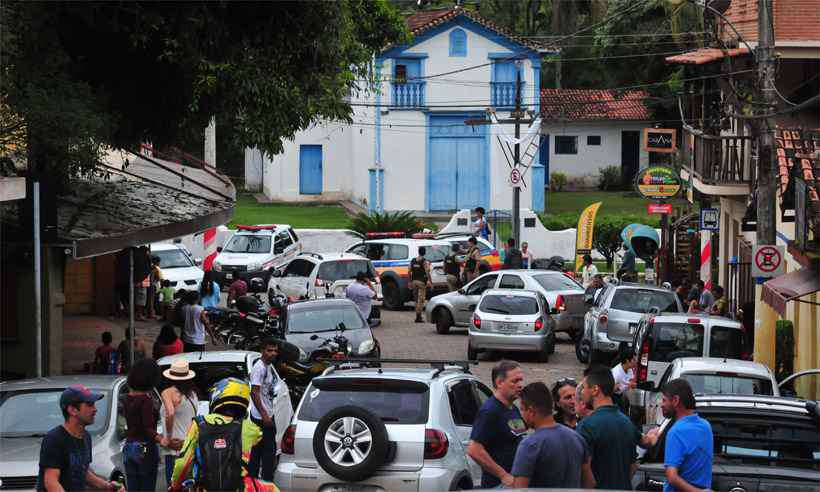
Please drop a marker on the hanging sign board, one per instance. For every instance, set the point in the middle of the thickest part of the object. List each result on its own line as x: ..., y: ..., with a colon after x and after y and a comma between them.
x: 660, y: 140
x: 709, y: 219
x: 658, y: 183
x: 767, y: 261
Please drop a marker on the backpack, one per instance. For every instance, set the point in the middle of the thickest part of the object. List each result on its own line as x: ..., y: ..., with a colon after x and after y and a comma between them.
x: 218, y: 456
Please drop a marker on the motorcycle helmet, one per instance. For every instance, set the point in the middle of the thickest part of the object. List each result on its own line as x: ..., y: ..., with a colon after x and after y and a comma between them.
x: 230, y: 392
x: 256, y: 285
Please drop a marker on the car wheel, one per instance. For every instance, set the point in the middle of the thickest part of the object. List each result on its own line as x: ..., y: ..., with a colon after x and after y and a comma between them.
x: 443, y: 321
x: 472, y: 354
x: 582, y: 350
x: 340, y: 447
x: 392, y: 295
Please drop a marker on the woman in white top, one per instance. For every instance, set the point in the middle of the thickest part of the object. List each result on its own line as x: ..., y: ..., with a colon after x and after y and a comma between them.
x: 526, y: 255
x: 588, y: 271
x: 179, y: 404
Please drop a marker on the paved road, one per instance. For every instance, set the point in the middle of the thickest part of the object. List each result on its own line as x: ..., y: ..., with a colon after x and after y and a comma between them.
x: 400, y: 337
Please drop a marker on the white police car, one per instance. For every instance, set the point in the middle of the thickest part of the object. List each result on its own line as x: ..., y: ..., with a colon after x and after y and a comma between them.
x: 254, y: 251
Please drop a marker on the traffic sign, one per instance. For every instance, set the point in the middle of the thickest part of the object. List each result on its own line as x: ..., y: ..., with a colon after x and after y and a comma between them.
x: 516, y: 180
x: 659, y: 208
x: 768, y: 261
x: 709, y: 219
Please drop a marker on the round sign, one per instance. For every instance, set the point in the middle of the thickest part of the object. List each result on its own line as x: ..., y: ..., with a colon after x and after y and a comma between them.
x: 658, y: 183
x: 515, y: 177
x: 768, y: 259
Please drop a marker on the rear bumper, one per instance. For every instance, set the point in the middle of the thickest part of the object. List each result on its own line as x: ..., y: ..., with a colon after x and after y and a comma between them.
x: 292, y: 478
x: 568, y: 322
x: 513, y: 342
x: 602, y: 343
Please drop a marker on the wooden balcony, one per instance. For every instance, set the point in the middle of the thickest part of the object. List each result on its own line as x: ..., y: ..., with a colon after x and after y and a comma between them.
x: 719, y: 163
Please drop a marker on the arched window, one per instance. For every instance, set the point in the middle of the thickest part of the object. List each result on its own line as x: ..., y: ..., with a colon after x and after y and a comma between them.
x: 458, y: 42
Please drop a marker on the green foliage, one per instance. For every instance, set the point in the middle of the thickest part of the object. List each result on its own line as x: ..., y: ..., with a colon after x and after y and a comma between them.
x: 558, y: 181
x: 87, y: 74
x: 609, y: 178
x: 249, y: 211
x: 398, y: 221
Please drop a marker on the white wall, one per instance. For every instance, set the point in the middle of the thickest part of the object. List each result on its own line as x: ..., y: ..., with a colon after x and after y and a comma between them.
x: 590, y: 158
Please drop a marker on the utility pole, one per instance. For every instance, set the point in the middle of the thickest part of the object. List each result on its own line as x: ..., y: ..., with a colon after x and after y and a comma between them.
x: 766, y: 174
x: 516, y: 205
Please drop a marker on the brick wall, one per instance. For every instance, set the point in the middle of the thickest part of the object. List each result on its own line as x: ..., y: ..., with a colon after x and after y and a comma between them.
x: 794, y: 20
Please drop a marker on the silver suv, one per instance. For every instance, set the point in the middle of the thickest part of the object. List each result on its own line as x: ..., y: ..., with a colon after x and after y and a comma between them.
x: 614, y: 316
x: 396, y: 429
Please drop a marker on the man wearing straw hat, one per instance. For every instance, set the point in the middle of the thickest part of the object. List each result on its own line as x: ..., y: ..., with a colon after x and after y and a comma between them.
x: 179, y: 405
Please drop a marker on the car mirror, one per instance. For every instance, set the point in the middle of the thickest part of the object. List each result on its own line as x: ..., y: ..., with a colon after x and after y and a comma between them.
x: 198, y: 261
x: 219, y: 249
x: 462, y: 291
x: 314, y: 337
x: 276, y: 273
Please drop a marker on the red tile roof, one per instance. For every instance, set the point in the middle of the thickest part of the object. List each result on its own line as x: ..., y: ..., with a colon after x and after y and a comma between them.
x: 593, y: 104
x: 427, y: 19
x: 705, y: 55
x: 798, y: 154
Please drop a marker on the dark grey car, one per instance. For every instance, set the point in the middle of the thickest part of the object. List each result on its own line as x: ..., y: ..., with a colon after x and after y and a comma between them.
x: 307, y: 324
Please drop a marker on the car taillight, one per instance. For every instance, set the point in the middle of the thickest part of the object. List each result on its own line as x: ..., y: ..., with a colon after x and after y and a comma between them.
x: 435, y: 444
x: 476, y: 322
x: 538, y: 324
x: 643, y: 361
x: 559, y: 303
x: 289, y: 440
x: 603, y: 319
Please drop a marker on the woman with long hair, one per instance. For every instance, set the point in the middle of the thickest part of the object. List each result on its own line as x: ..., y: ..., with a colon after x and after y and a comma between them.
x: 179, y: 404
x: 167, y: 343
x: 209, y: 291
x: 140, y: 453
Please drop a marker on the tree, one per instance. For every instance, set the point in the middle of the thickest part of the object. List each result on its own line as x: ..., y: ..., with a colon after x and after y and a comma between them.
x: 85, y: 75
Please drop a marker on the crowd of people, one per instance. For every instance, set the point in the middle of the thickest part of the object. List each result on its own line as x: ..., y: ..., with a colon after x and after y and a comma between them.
x: 576, y: 435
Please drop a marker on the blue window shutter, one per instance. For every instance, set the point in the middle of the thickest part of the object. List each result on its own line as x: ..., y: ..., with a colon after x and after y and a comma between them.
x: 458, y: 42
x: 504, y: 71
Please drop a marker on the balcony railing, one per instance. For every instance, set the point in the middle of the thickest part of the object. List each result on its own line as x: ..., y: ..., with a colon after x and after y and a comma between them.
x: 502, y: 94
x: 408, y: 95
x: 720, y: 159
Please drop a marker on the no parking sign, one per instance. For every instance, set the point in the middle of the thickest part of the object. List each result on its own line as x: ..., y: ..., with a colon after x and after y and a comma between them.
x: 768, y: 261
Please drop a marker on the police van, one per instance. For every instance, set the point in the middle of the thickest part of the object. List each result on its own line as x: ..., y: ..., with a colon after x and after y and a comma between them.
x: 255, y: 251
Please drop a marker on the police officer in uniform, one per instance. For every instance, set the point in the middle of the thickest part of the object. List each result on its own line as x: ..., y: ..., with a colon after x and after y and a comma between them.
x: 420, y: 277
x: 452, y: 267
x: 471, y: 265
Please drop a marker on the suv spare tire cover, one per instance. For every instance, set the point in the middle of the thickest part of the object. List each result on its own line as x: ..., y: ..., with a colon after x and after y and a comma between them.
x: 360, y: 460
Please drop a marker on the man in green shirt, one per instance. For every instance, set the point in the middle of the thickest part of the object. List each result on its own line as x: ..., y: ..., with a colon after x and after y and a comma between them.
x: 612, y: 438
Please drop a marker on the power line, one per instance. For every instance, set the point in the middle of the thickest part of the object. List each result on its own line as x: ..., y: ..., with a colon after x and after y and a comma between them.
x: 660, y: 34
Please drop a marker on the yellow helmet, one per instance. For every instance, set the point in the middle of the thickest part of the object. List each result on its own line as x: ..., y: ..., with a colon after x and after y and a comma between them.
x: 230, y: 391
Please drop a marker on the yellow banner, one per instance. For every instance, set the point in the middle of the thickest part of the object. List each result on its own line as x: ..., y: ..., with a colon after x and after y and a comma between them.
x: 583, y: 237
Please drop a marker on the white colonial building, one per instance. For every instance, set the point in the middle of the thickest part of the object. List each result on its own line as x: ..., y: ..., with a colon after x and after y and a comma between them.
x: 408, y: 147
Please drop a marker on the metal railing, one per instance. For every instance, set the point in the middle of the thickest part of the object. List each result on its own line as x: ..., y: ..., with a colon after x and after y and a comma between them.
x: 502, y: 94
x: 720, y: 159
x: 408, y: 94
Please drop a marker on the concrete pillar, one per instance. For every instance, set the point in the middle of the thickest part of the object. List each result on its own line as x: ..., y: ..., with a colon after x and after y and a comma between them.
x: 765, y: 331
x: 210, y: 143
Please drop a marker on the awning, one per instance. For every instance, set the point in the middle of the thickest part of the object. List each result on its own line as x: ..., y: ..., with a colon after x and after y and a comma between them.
x: 701, y: 56
x: 780, y: 290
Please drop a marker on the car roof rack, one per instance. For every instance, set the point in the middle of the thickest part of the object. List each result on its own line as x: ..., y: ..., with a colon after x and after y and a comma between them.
x: 437, y: 364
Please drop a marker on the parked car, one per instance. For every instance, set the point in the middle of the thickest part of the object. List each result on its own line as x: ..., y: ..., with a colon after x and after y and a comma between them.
x: 212, y: 367
x: 613, y: 318
x: 307, y: 324
x: 177, y: 266
x: 391, y: 258
x: 713, y: 376
x: 30, y: 408
x: 490, y: 258
x: 803, y: 384
x: 659, y: 339
x: 511, y: 319
x: 406, y: 429
x: 564, y: 296
x: 314, y: 276
x: 760, y: 443
x: 252, y: 251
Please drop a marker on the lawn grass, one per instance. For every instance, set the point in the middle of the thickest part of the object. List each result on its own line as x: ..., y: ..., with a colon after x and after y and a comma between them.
x: 248, y: 211
x: 569, y: 205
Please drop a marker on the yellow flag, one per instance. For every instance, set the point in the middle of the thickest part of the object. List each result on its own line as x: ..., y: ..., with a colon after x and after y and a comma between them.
x: 583, y: 234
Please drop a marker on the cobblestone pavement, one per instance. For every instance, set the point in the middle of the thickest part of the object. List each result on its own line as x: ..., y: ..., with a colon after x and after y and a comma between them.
x: 401, y: 337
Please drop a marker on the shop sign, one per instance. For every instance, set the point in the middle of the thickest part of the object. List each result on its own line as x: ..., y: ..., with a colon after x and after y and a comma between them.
x: 658, y: 183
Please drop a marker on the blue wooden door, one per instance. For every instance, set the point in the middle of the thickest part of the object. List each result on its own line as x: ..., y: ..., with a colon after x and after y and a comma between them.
x: 458, y: 171
x: 310, y: 169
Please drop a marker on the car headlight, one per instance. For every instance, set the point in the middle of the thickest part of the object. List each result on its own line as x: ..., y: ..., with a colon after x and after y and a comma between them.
x: 366, y: 347
x: 217, y: 266
x: 252, y: 267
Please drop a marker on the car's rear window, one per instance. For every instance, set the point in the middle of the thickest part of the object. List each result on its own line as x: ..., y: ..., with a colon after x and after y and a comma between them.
x: 33, y: 413
x: 642, y: 300
x: 509, y: 304
x: 436, y: 252
x: 331, y: 271
x: 394, y: 401
x: 314, y: 319
x: 725, y: 342
x: 557, y: 282
x: 728, y: 384
x: 674, y: 340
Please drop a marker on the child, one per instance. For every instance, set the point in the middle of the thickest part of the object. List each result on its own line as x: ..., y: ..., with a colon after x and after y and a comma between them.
x: 166, y: 298
x: 102, y: 355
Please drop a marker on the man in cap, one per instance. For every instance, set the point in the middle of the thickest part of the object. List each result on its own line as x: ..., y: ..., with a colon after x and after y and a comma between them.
x: 65, y: 453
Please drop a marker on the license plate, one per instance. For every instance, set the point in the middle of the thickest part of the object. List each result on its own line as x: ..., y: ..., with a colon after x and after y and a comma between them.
x: 343, y: 487
x: 507, y: 327
x: 229, y: 276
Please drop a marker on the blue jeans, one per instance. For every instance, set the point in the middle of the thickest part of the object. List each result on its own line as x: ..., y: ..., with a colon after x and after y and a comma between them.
x: 263, y: 455
x: 141, y: 461
x: 169, y: 468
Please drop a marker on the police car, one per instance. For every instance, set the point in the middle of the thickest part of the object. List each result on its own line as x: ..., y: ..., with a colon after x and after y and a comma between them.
x: 391, y: 253
x: 254, y: 251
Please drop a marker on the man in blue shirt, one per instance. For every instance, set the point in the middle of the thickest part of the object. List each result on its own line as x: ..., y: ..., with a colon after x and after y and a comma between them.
x: 689, y: 443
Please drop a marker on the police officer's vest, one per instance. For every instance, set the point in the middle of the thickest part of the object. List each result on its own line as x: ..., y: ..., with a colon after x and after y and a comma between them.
x: 451, y: 265
x: 470, y: 264
x: 417, y: 270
